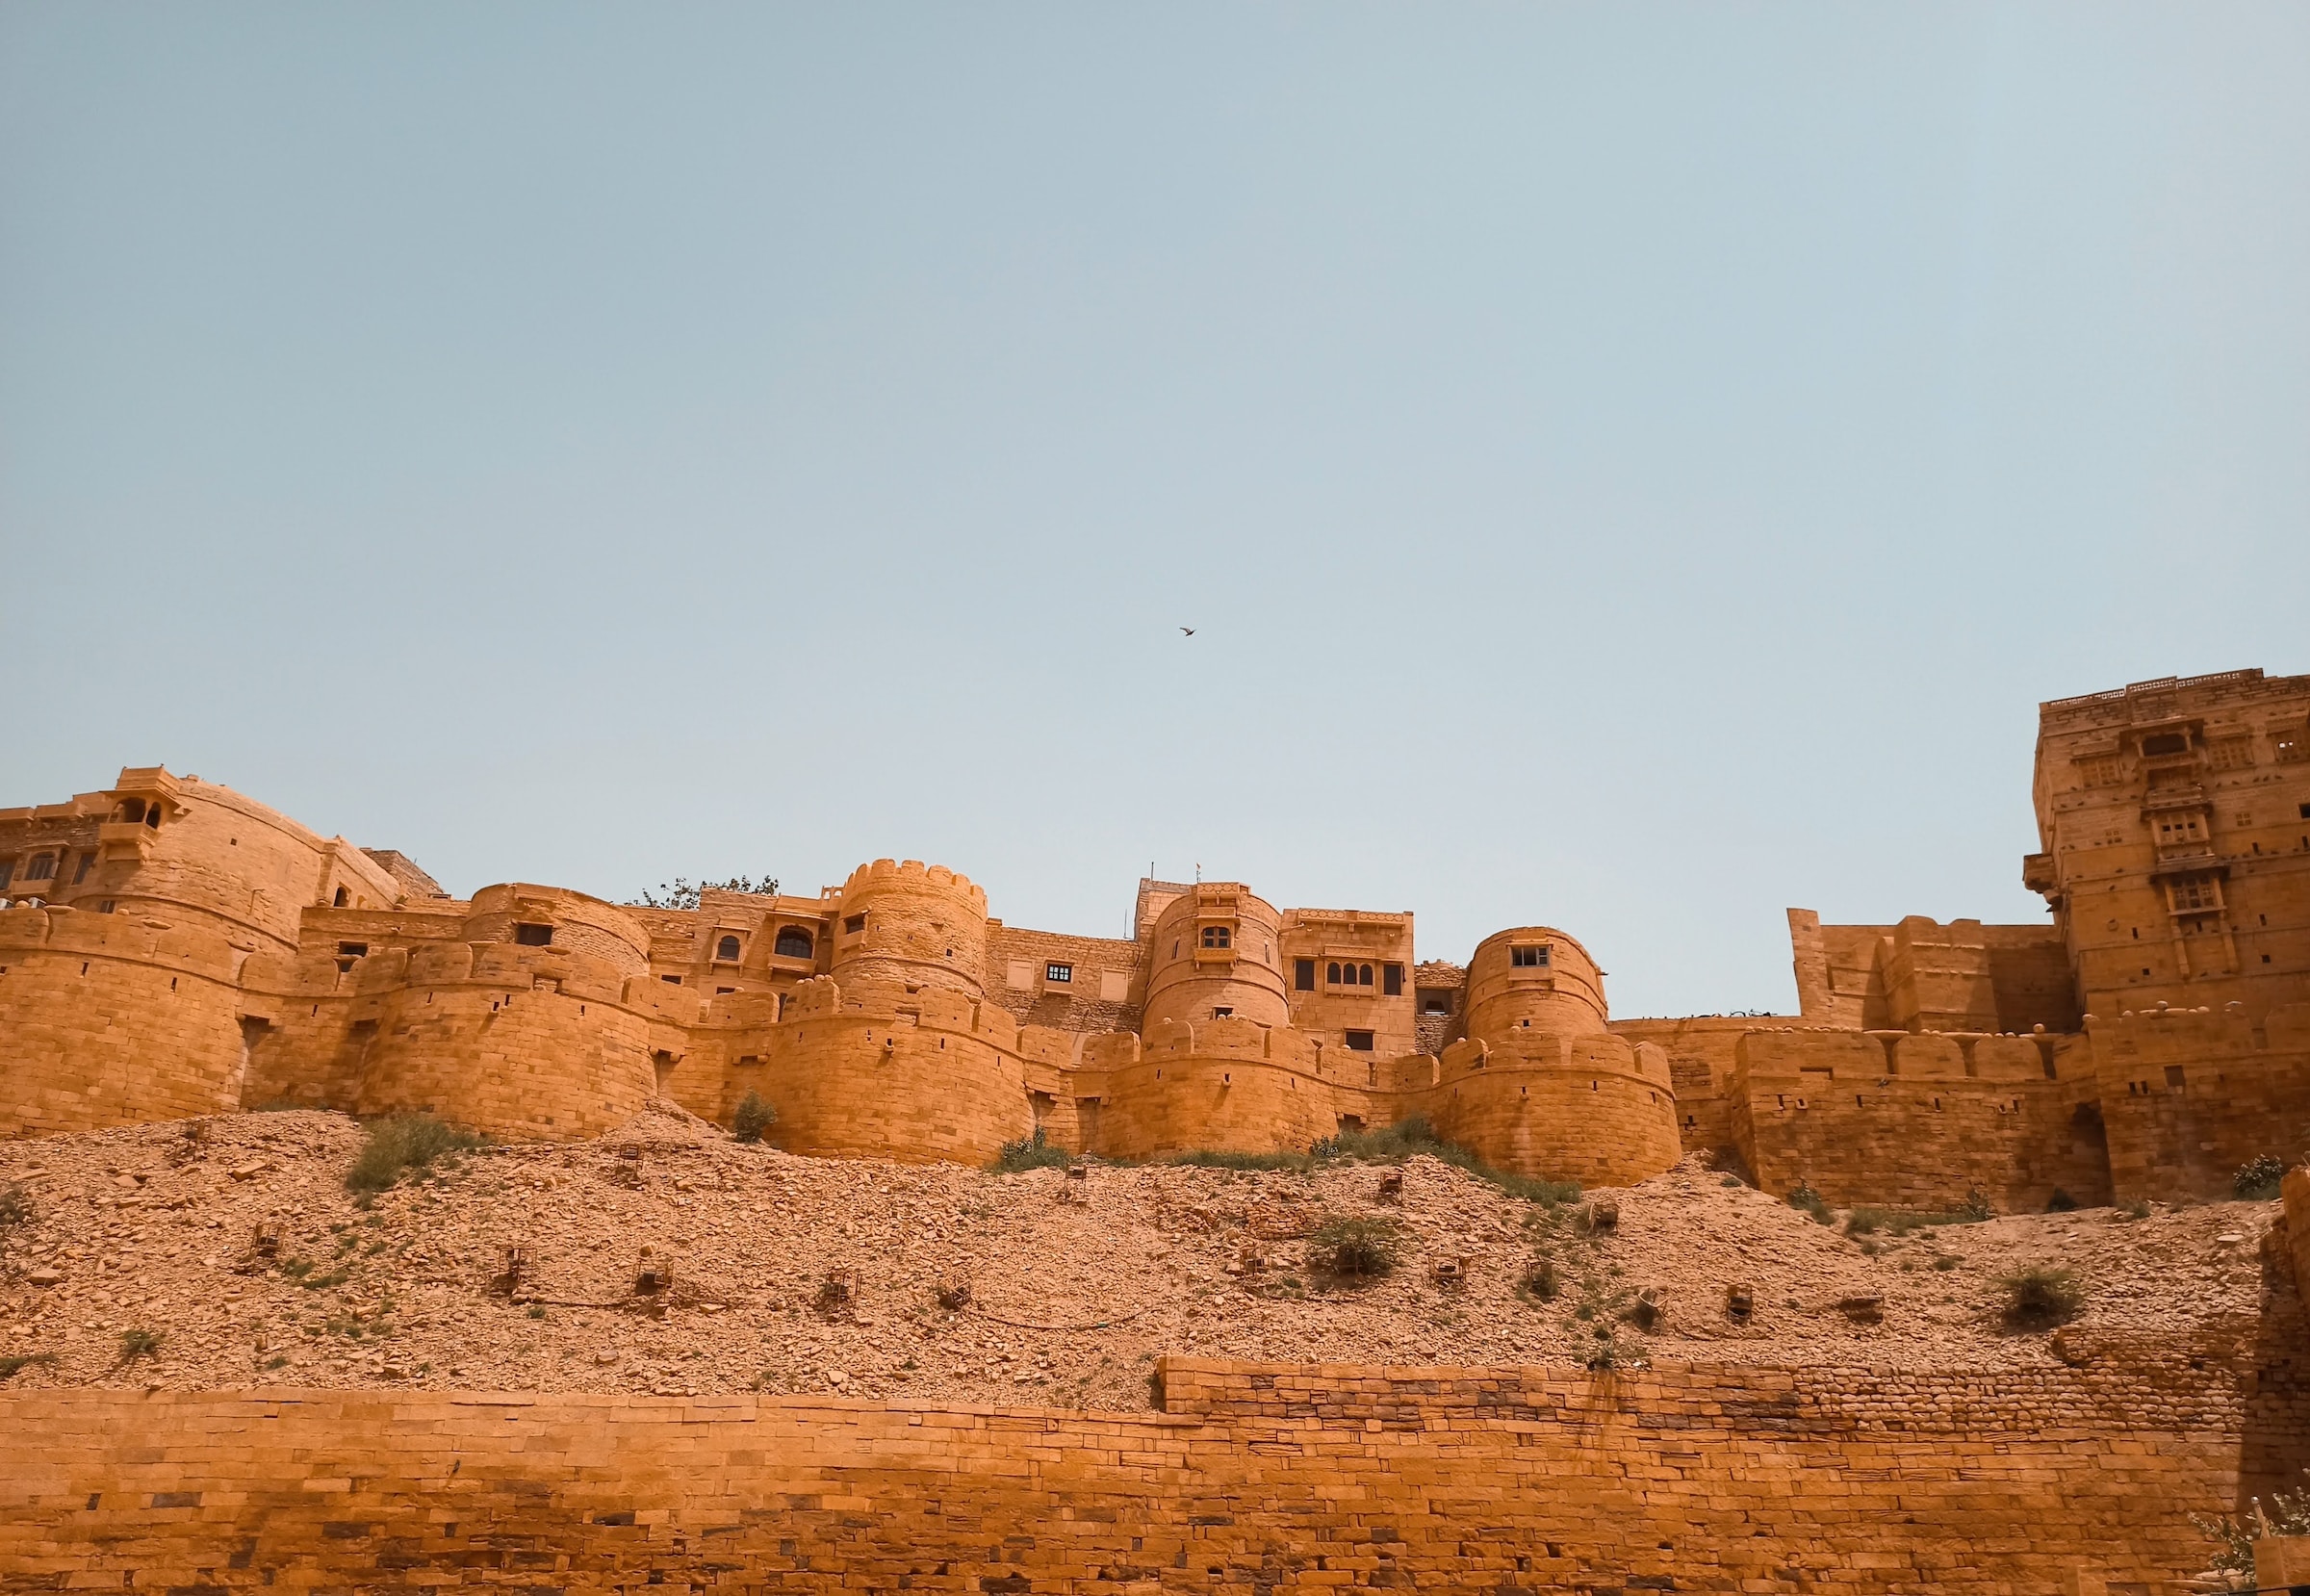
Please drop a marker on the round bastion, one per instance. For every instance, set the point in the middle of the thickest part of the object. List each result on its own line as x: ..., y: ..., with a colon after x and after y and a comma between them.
x: 910, y: 925
x: 1217, y: 955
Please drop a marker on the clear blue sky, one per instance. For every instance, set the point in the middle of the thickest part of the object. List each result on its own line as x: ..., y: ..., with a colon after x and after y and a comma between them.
x: 1629, y: 467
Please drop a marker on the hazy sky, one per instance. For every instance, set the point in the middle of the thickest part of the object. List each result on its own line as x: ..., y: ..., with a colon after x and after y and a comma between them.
x: 1632, y: 468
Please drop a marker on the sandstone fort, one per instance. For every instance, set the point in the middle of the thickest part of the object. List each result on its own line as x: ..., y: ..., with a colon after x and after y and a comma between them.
x: 1777, y: 1347
x: 174, y: 948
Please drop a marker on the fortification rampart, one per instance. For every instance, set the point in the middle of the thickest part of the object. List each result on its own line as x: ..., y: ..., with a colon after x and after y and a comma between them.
x: 115, y: 1018
x: 1919, y: 1119
x: 2190, y: 1096
x: 1258, y: 1476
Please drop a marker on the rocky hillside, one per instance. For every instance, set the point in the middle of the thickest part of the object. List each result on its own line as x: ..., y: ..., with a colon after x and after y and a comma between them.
x: 228, y: 1252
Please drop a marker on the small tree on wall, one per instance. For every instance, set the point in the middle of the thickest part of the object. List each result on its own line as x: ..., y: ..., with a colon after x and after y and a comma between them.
x: 682, y: 893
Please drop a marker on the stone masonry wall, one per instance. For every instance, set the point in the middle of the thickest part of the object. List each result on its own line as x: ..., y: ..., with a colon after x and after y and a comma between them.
x: 1257, y: 1477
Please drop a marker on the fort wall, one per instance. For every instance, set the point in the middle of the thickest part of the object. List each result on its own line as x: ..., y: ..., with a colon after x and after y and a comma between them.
x: 1254, y: 1477
x: 1919, y: 1119
x: 2191, y: 1096
x: 115, y: 1018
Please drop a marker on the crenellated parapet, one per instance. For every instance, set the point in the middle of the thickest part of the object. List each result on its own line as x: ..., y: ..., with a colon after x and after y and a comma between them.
x: 912, y: 924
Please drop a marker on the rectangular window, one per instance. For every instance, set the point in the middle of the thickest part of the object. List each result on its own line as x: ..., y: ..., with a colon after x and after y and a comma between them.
x: 352, y: 950
x: 8, y: 867
x: 671, y: 980
x: 1059, y: 973
x: 1359, y: 1042
x: 2188, y: 826
x: 533, y: 936
x: 2173, y: 1077
x: 1303, y: 971
x: 2289, y: 747
x: 1391, y: 983
x: 2191, y: 894
x: 1527, y: 958
x: 2165, y: 743
x: 852, y: 924
x: 80, y: 873
x: 2099, y: 770
x: 41, y: 869
x: 2231, y: 754
x: 1222, y: 1014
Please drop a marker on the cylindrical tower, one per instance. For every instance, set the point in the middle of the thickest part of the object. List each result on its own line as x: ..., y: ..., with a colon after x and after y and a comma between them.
x: 530, y: 916
x: 1215, y: 956
x: 1533, y: 978
x: 910, y: 925
x: 1538, y: 1085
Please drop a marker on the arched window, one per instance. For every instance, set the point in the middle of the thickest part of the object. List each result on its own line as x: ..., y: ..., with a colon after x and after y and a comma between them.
x: 132, y: 810
x: 152, y: 817
x: 726, y: 951
x: 1332, y: 972
x: 793, y: 942
x: 339, y: 901
x: 1363, y: 975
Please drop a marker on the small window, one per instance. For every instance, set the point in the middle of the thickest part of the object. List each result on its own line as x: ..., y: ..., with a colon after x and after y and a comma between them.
x: 88, y: 862
x: 8, y: 871
x: 1435, y: 1002
x: 1304, y: 975
x: 1222, y: 1014
x: 1527, y: 958
x: 2191, y: 894
x: 352, y: 950
x: 533, y: 936
x: 852, y: 924
x: 726, y: 951
x: 2173, y: 1077
x: 1064, y: 973
x: 671, y: 980
x: 41, y: 869
x: 339, y: 901
x: 152, y: 818
x: 1359, y: 1042
x: 1331, y: 974
x: 2165, y: 742
x: 1363, y: 975
x: 2301, y: 809
x: 793, y: 942
x: 132, y: 811
x: 1216, y: 935
x: 723, y: 991
x: 1391, y: 980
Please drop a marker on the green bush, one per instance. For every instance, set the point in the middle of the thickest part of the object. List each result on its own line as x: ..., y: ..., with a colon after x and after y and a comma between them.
x: 1215, y: 1158
x: 1354, y: 1248
x: 2060, y: 1202
x: 2040, y: 1295
x: 138, y: 1342
x: 1540, y: 1283
x: 1976, y: 1206
x: 1806, y: 1199
x: 1031, y: 1152
x: 2138, y: 1209
x: 753, y: 1118
x: 2233, y: 1538
x: 402, y: 1145
x: 15, y: 1362
x: 2258, y: 1181
x: 1414, y: 1137
x: 16, y: 1206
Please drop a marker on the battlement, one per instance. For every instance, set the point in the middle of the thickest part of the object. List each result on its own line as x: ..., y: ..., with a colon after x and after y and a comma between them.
x: 913, y: 873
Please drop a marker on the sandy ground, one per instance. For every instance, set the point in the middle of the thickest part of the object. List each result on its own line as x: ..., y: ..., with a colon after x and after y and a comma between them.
x: 151, y: 1228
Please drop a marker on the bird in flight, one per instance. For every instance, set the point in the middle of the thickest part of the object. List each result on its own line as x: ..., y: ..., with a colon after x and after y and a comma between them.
x: 1189, y: 630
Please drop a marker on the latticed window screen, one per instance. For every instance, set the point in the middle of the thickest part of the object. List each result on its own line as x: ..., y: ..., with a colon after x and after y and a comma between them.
x: 2193, y: 892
